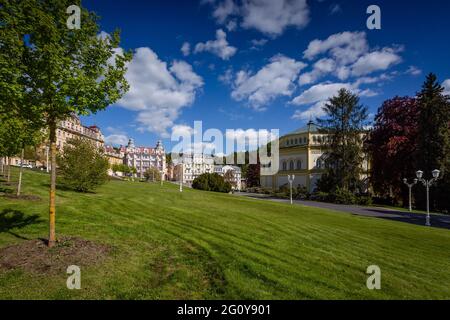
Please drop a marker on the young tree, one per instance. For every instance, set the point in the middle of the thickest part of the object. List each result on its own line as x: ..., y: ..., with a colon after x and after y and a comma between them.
x: 229, y: 177
x: 82, y: 165
x: 63, y: 71
x: 433, y: 151
x: 344, y: 124
x: 392, y: 145
x: 152, y: 174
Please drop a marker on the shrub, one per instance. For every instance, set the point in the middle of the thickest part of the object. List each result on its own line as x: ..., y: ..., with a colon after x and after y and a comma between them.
x: 82, y: 165
x: 211, y: 182
x: 321, y: 196
x: 365, y: 200
x: 343, y: 196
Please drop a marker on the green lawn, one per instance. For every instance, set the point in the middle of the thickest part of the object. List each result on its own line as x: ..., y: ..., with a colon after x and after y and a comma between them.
x: 201, y: 245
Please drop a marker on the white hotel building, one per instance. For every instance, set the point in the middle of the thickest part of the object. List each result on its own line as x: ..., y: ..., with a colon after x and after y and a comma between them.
x: 143, y: 158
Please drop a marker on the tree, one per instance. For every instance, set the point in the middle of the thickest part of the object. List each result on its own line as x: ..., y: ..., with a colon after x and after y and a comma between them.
x: 152, y: 174
x: 433, y: 146
x: 392, y: 146
x: 211, y: 182
x: 61, y: 70
x: 229, y: 177
x: 83, y: 166
x: 344, y: 124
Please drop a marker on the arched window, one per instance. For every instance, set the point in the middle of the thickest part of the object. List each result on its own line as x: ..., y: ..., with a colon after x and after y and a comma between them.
x: 299, y: 164
x: 314, y: 139
x: 284, y: 166
x: 296, y: 141
x: 287, y: 142
x: 291, y: 165
x: 304, y: 139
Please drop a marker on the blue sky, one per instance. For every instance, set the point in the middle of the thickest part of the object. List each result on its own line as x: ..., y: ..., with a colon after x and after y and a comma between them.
x: 258, y: 64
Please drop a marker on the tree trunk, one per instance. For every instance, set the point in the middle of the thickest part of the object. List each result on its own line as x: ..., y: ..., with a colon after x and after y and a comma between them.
x: 52, y: 211
x: 19, y: 186
x: 8, y: 179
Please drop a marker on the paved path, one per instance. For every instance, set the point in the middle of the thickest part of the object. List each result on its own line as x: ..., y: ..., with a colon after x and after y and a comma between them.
x: 437, y: 221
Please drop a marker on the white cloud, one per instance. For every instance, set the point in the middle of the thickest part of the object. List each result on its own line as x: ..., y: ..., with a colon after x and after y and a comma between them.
x: 316, y: 96
x: 335, y: 8
x: 414, y: 71
x: 320, y: 68
x: 375, y: 61
x: 315, y: 111
x: 116, y: 139
x: 158, y: 92
x: 186, y: 49
x: 267, y: 16
x: 275, y: 79
x: 348, y: 55
x: 231, y: 25
x: 320, y: 92
x: 345, y: 47
x: 219, y: 47
x: 446, y: 85
x: 256, y: 44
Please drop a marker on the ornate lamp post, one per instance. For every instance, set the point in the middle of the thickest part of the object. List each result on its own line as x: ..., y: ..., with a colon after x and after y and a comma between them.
x: 291, y: 179
x: 410, y: 185
x: 427, y: 184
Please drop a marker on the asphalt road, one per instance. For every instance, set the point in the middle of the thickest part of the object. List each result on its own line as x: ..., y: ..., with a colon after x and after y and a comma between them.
x: 437, y: 221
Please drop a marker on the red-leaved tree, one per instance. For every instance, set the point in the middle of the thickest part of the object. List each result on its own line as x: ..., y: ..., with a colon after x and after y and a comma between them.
x: 392, y: 146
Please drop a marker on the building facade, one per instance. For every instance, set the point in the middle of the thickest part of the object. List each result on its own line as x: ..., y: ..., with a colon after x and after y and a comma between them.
x: 190, y: 166
x: 302, y: 153
x: 237, y: 175
x: 73, y: 128
x: 143, y: 158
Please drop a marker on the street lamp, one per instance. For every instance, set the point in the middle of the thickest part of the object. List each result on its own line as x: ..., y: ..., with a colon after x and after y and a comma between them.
x: 410, y: 185
x: 162, y: 176
x: 291, y: 179
x: 427, y: 184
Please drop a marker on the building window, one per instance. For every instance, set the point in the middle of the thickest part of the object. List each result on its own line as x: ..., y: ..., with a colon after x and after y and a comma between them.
x: 284, y: 166
x: 299, y: 164
x: 291, y: 165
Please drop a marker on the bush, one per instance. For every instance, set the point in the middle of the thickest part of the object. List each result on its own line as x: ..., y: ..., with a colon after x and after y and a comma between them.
x: 365, y: 200
x: 321, y: 196
x: 211, y: 182
x: 343, y: 196
x: 82, y: 166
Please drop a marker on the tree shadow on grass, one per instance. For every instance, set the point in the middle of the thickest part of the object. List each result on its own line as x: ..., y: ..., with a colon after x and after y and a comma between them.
x: 15, y: 219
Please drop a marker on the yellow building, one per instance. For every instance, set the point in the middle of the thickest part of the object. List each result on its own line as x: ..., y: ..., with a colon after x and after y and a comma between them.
x: 301, y: 154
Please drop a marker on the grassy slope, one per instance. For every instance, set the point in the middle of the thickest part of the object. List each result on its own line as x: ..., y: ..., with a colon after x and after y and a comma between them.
x: 195, y: 244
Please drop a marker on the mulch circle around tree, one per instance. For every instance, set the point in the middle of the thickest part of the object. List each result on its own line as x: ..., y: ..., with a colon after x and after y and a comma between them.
x: 35, y: 257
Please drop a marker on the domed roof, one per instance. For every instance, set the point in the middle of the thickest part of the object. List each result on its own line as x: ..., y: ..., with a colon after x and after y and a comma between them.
x: 309, y: 127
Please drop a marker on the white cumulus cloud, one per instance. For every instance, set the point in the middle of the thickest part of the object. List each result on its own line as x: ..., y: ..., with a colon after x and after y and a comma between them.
x: 267, y: 16
x: 158, y: 92
x: 220, y: 47
x: 275, y: 79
